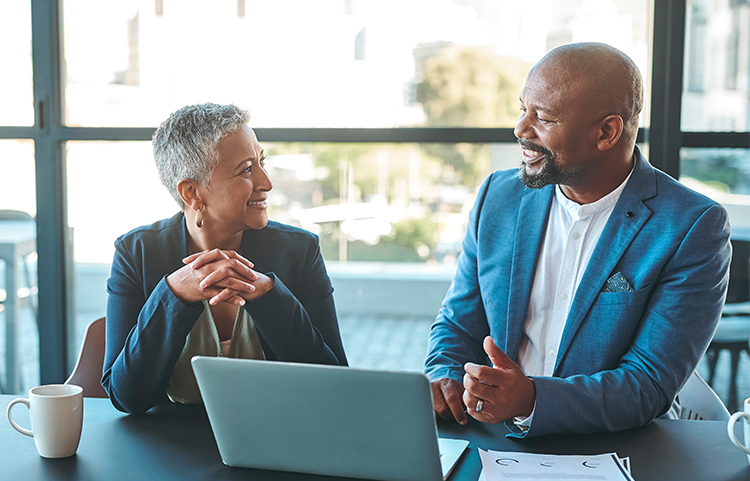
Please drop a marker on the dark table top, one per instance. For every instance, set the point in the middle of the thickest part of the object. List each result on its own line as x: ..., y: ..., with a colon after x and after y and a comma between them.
x: 176, y: 442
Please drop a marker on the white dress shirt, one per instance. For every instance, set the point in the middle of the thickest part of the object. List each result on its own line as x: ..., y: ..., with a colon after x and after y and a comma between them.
x: 573, y: 230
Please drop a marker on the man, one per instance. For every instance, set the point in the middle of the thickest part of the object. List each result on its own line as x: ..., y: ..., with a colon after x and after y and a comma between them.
x: 590, y: 283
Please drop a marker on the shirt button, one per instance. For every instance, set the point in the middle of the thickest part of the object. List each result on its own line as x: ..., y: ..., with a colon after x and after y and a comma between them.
x: 576, y: 236
x: 552, y: 353
x: 563, y: 296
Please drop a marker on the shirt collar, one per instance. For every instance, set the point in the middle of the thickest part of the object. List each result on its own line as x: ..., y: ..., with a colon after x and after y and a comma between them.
x: 578, y: 211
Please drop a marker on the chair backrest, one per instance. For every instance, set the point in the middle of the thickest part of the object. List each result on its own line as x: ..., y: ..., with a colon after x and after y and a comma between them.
x: 699, y: 402
x: 88, y: 370
x: 739, y: 272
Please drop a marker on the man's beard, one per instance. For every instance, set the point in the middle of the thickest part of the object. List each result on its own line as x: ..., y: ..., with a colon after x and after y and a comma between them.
x: 550, y: 173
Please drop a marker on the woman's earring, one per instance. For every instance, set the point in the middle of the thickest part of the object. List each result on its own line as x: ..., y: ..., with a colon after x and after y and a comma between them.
x: 199, y: 218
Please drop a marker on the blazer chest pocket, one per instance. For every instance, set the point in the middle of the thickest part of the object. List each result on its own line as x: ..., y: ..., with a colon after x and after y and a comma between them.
x: 623, y: 297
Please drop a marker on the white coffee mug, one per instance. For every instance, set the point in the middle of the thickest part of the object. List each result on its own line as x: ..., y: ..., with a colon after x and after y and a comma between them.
x: 56, y: 412
x: 730, y: 427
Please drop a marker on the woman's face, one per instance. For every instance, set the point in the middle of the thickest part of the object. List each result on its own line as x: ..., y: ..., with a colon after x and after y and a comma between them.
x: 236, y: 197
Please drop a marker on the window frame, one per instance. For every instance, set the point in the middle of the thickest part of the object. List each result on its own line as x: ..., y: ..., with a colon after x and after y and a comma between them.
x: 56, y: 312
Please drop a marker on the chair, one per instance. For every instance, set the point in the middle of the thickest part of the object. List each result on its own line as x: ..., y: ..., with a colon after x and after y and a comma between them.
x: 88, y: 370
x: 17, y: 245
x: 733, y: 331
x: 24, y: 293
x: 699, y: 402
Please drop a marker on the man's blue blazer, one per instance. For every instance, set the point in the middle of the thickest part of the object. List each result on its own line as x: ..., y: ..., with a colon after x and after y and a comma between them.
x: 624, y: 355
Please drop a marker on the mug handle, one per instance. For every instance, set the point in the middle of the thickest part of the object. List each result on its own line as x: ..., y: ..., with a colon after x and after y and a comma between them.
x: 18, y: 428
x: 730, y: 429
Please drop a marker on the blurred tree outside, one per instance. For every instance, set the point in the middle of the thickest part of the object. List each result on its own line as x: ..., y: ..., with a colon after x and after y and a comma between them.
x: 469, y: 87
x: 459, y: 87
x: 727, y: 170
x: 380, y: 173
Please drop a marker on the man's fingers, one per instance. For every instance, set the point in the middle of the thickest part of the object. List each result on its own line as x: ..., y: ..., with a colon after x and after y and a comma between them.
x: 451, y: 392
x: 442, y: 392
x: 477, y: 388
x: 472, y: 403
x: 481, y: 373
x: 496, y: 355
x: 441, y: 407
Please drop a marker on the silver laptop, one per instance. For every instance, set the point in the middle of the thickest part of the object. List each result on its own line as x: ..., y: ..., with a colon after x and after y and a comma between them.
x: 326, y: 420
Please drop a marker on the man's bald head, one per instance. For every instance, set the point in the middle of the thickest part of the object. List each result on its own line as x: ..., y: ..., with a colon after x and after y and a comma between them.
x: 606, y: 78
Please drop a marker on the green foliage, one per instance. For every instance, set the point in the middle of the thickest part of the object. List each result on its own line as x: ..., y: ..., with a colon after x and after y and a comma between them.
x: 415, y: 232
x: 383, y: 251
x: 716, y: 169
x: 469, y: 87
x: 469, y: 161
x: 401, y: 246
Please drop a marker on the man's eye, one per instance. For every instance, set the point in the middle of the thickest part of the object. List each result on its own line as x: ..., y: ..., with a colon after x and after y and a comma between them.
x: 543, y: 120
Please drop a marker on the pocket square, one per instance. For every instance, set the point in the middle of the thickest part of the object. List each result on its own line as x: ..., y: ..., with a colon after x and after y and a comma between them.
x: 617, y: 283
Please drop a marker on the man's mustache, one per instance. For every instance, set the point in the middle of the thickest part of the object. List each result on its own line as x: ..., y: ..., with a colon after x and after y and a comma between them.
x: 529, y: 145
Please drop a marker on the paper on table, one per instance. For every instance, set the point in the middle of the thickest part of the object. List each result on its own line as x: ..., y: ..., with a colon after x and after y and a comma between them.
x: 511, y: 465
x: 625, y: 462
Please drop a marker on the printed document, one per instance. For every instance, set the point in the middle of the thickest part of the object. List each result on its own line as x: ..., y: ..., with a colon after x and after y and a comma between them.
x: 506, y: 465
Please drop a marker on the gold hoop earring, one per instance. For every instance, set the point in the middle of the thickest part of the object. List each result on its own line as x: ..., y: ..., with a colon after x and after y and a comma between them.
x: 199, y: 218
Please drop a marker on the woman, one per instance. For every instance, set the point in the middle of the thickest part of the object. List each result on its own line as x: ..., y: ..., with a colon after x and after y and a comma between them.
x: 216, y: 279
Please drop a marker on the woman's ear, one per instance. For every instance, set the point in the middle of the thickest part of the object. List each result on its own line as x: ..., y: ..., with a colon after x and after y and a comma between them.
x: 188, y: 190
x: 611, y: 130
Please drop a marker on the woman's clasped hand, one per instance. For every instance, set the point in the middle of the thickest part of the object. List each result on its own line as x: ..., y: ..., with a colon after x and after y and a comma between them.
x: 218, y: 276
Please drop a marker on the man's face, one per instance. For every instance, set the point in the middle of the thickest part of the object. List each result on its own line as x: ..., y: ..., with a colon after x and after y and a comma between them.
x: 556, y: 129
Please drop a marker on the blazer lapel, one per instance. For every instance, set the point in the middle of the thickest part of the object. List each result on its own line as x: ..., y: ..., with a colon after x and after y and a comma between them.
x: 530, y: 226
x: 628, y: 217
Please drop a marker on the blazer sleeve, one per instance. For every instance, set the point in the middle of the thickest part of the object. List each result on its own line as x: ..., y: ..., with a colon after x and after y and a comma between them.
x: 301, y: 326
x: 456, y: 335
x: 145, y: 335
x: 682, y: 310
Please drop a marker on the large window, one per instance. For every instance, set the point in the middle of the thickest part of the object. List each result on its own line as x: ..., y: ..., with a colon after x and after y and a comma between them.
x: 716, y: 95
x: 716, y: 99
x: 380, y: 118
x: 19, y: 341
x: 325, y: 63
x: 15, y: 58
x: 724, y: 175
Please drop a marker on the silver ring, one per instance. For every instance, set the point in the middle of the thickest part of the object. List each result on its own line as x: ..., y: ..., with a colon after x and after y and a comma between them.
x: 480, y: 405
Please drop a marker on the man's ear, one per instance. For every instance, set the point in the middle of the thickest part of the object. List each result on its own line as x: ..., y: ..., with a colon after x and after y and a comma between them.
x: 610, y: 132
x: 188, y: 190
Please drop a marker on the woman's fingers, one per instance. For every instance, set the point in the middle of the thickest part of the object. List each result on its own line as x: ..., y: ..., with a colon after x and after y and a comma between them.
x: 240, y: 287
x: 224, y: 276
x: 199, y: 259
x: 227, y: 295
x: 222, y: 270
x: 234, y: 255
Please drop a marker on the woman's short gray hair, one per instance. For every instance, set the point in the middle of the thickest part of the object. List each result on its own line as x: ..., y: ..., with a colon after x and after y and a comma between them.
x: 185, y: 145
